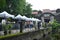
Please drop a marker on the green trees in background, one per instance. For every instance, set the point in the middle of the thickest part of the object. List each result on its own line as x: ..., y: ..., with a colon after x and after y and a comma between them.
x: 28, y: 11
x: 2, y: 5
x: 16, y: 7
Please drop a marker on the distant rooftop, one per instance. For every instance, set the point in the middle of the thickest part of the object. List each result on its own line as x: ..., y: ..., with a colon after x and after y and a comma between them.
x: 45, y: 10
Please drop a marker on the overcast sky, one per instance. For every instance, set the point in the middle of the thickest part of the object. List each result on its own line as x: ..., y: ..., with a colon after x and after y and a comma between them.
x: 44, y: 4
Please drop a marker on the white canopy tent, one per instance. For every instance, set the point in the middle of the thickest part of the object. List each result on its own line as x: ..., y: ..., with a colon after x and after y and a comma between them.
x: 18, y: 17
x: 37, y: 19
x: 6, y: 15
x: 24, y: 18
x: 12, y: 16
x: 34, y: 19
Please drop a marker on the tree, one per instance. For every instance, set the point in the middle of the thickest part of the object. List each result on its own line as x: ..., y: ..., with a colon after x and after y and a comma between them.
x: 2, y: 5
x: 28, y: 10
x: 58, y: 11
x: 16, y: 7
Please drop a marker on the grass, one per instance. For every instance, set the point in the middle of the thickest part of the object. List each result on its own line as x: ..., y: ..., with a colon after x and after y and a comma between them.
x: 10, y: 35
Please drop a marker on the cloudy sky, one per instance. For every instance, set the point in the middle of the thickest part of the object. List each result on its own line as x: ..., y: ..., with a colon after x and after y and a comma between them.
x: 44, y: 4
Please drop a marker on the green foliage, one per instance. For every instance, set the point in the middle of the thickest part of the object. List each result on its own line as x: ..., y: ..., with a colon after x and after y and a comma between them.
x: 43, y: 25
x: 8, y: 19
x: 2, y: 5
x: 16, y: 7
x: 13, y: 6
x: 7, y: 27
x: 56, y: 36
x: 28, y: 10
x: 11, y: 35
x: 55, y: 28
x: 55, y: 24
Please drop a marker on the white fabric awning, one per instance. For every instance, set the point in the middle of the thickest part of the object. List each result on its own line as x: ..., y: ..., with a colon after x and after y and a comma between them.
x: 18, y: 17
x: 6, y: 15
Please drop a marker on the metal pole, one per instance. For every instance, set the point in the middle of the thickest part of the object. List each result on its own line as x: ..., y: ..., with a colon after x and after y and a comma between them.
x: 21, y: 26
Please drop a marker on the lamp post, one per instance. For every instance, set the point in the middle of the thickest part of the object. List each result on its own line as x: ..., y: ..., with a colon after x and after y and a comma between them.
x: 21, y: 25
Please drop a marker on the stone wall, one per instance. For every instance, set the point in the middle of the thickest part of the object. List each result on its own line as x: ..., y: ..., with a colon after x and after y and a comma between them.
x: 28, y: 36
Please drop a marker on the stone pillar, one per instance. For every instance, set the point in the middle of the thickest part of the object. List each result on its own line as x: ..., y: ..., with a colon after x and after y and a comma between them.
x: 36, y: 25
x: 42, y: 18
x: 52, y: 19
